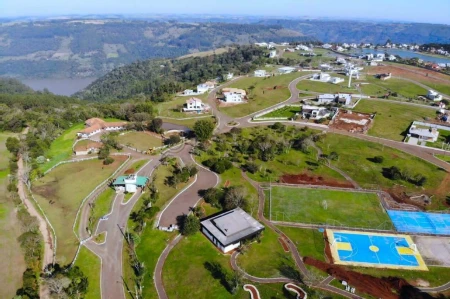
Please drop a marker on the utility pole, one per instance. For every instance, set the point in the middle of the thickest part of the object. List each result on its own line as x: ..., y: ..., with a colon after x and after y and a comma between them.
x: 270, y: 198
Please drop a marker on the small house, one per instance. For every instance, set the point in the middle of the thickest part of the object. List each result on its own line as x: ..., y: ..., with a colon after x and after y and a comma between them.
x: 315, y: 112
x: 273, y: 54
x: 260, y: 73
x: 130, y: 183
x: 344, y: 99
x: 233, y: 95
x: 286, y: 70
x: 230, y: 76
x: 336, y: 80
x: 228, y: 229
x: 434, y: 96
x: 424, y: 134
x: 202, y: 88
x: 323, y: 77
x: 188, y: 92
x: 81, y: 149
x: 194, y: 105
x: 326, y: 98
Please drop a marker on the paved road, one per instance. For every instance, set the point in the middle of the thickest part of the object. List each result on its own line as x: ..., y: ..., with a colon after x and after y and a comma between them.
x: 188, y: 198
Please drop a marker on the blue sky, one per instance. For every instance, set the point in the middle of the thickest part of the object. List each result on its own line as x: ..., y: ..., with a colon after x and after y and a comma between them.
x: 429, y: 11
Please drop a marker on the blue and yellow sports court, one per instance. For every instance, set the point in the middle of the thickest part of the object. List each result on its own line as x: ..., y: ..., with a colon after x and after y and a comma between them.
x: 420, y: 222
x: 374, y: 250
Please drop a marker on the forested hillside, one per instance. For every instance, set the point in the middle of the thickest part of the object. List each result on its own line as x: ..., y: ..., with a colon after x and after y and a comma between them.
x: 91, y: 48
x: 158, y: 80
x: 13, y: 86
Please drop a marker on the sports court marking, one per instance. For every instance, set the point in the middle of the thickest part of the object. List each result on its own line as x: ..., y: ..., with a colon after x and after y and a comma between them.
x: 374, y: 250
x: 420, y: 222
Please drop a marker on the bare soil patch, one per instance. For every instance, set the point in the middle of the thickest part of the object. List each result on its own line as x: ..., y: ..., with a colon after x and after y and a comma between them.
x: 306, y: 179
x: 416, y: 74
x: 385, y: 287
x: 351, y: 121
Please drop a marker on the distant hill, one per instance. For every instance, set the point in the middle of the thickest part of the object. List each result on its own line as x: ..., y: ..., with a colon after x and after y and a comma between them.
x: 370, y: 32
x: 158, y: 80
x: 91, y: 48
x: 13, y: 86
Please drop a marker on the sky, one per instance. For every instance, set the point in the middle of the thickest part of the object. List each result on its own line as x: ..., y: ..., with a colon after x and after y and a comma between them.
x: 429, y: 11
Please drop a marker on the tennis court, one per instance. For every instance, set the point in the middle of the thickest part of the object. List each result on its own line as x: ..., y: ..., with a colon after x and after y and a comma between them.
x: 374, y: 250
x: 420, y: 222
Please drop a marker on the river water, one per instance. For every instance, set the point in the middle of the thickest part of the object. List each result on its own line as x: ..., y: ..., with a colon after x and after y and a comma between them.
x: 403, y: 54
x: 65, y: 87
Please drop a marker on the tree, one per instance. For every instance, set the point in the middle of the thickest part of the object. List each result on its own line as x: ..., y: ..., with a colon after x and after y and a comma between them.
x: 235, y: 197
x: 173, y: 139
x: 13, y: 145
x: 333, y: 156
x: 378, y: 159
x: 156, y: 125
x: 203, y: 129
x: 103, y: 152
x: 190, y: 225
x: 213, y: 196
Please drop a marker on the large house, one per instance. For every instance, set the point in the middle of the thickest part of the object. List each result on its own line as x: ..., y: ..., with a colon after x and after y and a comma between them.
x: 233, y: 95
x: 286, y: 70
x: 130, y: 183
x: 315, y: 112
x: 97, y: 125
x: 424, y: 134
x: 228, y: 229
x: 260, y: 73
x: 194, y: 105
x: 434, y: 96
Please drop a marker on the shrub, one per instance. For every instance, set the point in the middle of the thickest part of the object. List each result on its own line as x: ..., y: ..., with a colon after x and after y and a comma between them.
x: 189, y: 225
x: 251, y: 167
x: 108, y: 160
x: 378, y: 159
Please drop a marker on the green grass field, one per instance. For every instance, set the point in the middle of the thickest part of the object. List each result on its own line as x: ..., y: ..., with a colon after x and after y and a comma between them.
x: 287, y: 111
x: 173, y: 108
x: 263, y: 95
x: 308, y: 85
x: 393, y: 119
x: 90, y: 264
x: 445, y: 158
x: 102, y: 206
x: 402, y: 87
x: 61, y: 148
x: 12, y: 263
x: 185, y: 122
x: 341, y: 208
x: 354, y: 159
x: 266, y: 258
x: 309, y: 242
x: 140, y: 140
x: 443, y: 140
x: 60, y: 193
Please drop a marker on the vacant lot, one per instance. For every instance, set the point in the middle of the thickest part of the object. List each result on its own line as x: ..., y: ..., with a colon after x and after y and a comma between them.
x: 12, y: 263
x: 325, y: 87
x: 355, y: 158
x: 402, y: 87
x: 287, y: 111
x: 60, y: 194
x: 141, y: 140
x: 326, y: 207
x: 392, y: 120
x: 266, y: 92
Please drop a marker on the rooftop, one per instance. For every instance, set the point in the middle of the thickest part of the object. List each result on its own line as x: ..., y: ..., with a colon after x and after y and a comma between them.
x: 140, y: 180
x: 232, y: 226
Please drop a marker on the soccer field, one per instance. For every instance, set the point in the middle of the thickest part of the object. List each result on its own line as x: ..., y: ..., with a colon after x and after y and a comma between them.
x: 352, y: 209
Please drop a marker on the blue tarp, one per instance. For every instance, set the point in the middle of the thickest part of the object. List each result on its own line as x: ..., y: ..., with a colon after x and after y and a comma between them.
x: 421, y: 222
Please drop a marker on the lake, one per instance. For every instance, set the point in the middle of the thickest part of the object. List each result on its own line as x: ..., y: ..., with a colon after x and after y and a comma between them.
x: 65, y: 87
x: 403, y: 54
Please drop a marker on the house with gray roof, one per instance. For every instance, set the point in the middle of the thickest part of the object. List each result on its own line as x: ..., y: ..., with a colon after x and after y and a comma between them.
x: 227, y: 230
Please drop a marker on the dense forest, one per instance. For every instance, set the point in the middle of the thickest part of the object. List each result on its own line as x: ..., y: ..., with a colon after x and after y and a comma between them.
x: 86, y: 48
x: 158, y: 80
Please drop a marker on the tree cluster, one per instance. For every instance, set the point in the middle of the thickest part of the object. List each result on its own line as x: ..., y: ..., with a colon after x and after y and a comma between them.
x: 395, y: 173
x: 228, y: 198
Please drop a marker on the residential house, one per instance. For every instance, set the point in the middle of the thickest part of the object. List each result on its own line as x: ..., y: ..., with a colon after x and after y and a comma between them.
x: 336, y: 80
x: 340, y: 60
x: 434, y: 96
x: 323, y: 77
x: 286, y: 70
x: 340, y: 49
x: 202, y: 88
x: 188, y: 92
x: 353, y: 45
x: 344, y: 99
x: 326, y: 98
x: 273, y: 54
x: 261, y: 45
x: 260, y: 73
x: 381, y: 56
x: 345, y: 45
x: 230, y: 76
x: 325, y: 67
x: 369, y: 56
x: 130, y: 183
x: 87, y: 148
x: 315, y: 112
x: 291, y: 50
x: 233, y: 95
x: 340, y: 98
x: 327, y: 46
x: 194, y: 105
x: 97, y: 125
x: 303, y: 48
x: 228, y: 229
x: 384, y: 77
x: 424, y: 134
x: 391, y: 58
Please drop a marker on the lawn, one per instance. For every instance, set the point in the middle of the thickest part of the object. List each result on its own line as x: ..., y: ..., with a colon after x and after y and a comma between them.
x: 137, y: 165
x: 443, y: 140
x: 266, y: 258
x: 12, y: 263
x: 327, y: 207
x: 61, y: 147
x: 325, y: 87
x: 263, y: 95
x: 90, y: 264
x: 102, y: 206
x: 309, y: 242
x: 140, y: 140
x: 402, y: 87
x: 392, y: 120
x: 445, y: 157
x: 189, y: 123
x: 173, y: 108
x: 355, y: 159
x: 287, y: 111
x: 60, y: 194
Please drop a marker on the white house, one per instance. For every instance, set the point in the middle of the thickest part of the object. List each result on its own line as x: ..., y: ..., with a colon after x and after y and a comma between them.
x: 260, y: 73
x: 261, y: 45
x: 434, y: 96
x: 233, y: 95
x: 286, y: 70
x: 424, y: 134
x: 341, y: 98
x: 228, y: 229
x: 230, y: 76
x: 194, y: 104
x: 344, y: 98
x: 345, y: 45
x: 273, y: 54
x: 315, y: 112
x: 326, y: 46
x: 326, y: 98
x: 303, y: 48
x: 336, y: 80
x: 188, y: 92
x: 325, y: 66
x: 323, y: 77
x: 340, y: 60
x: 369, y: 56
x: 391, y: 58
x: 202, y: 88
x: 130, y: 183
x: 340, y: 49
x: 381, y: 56
x: 291, y: 50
